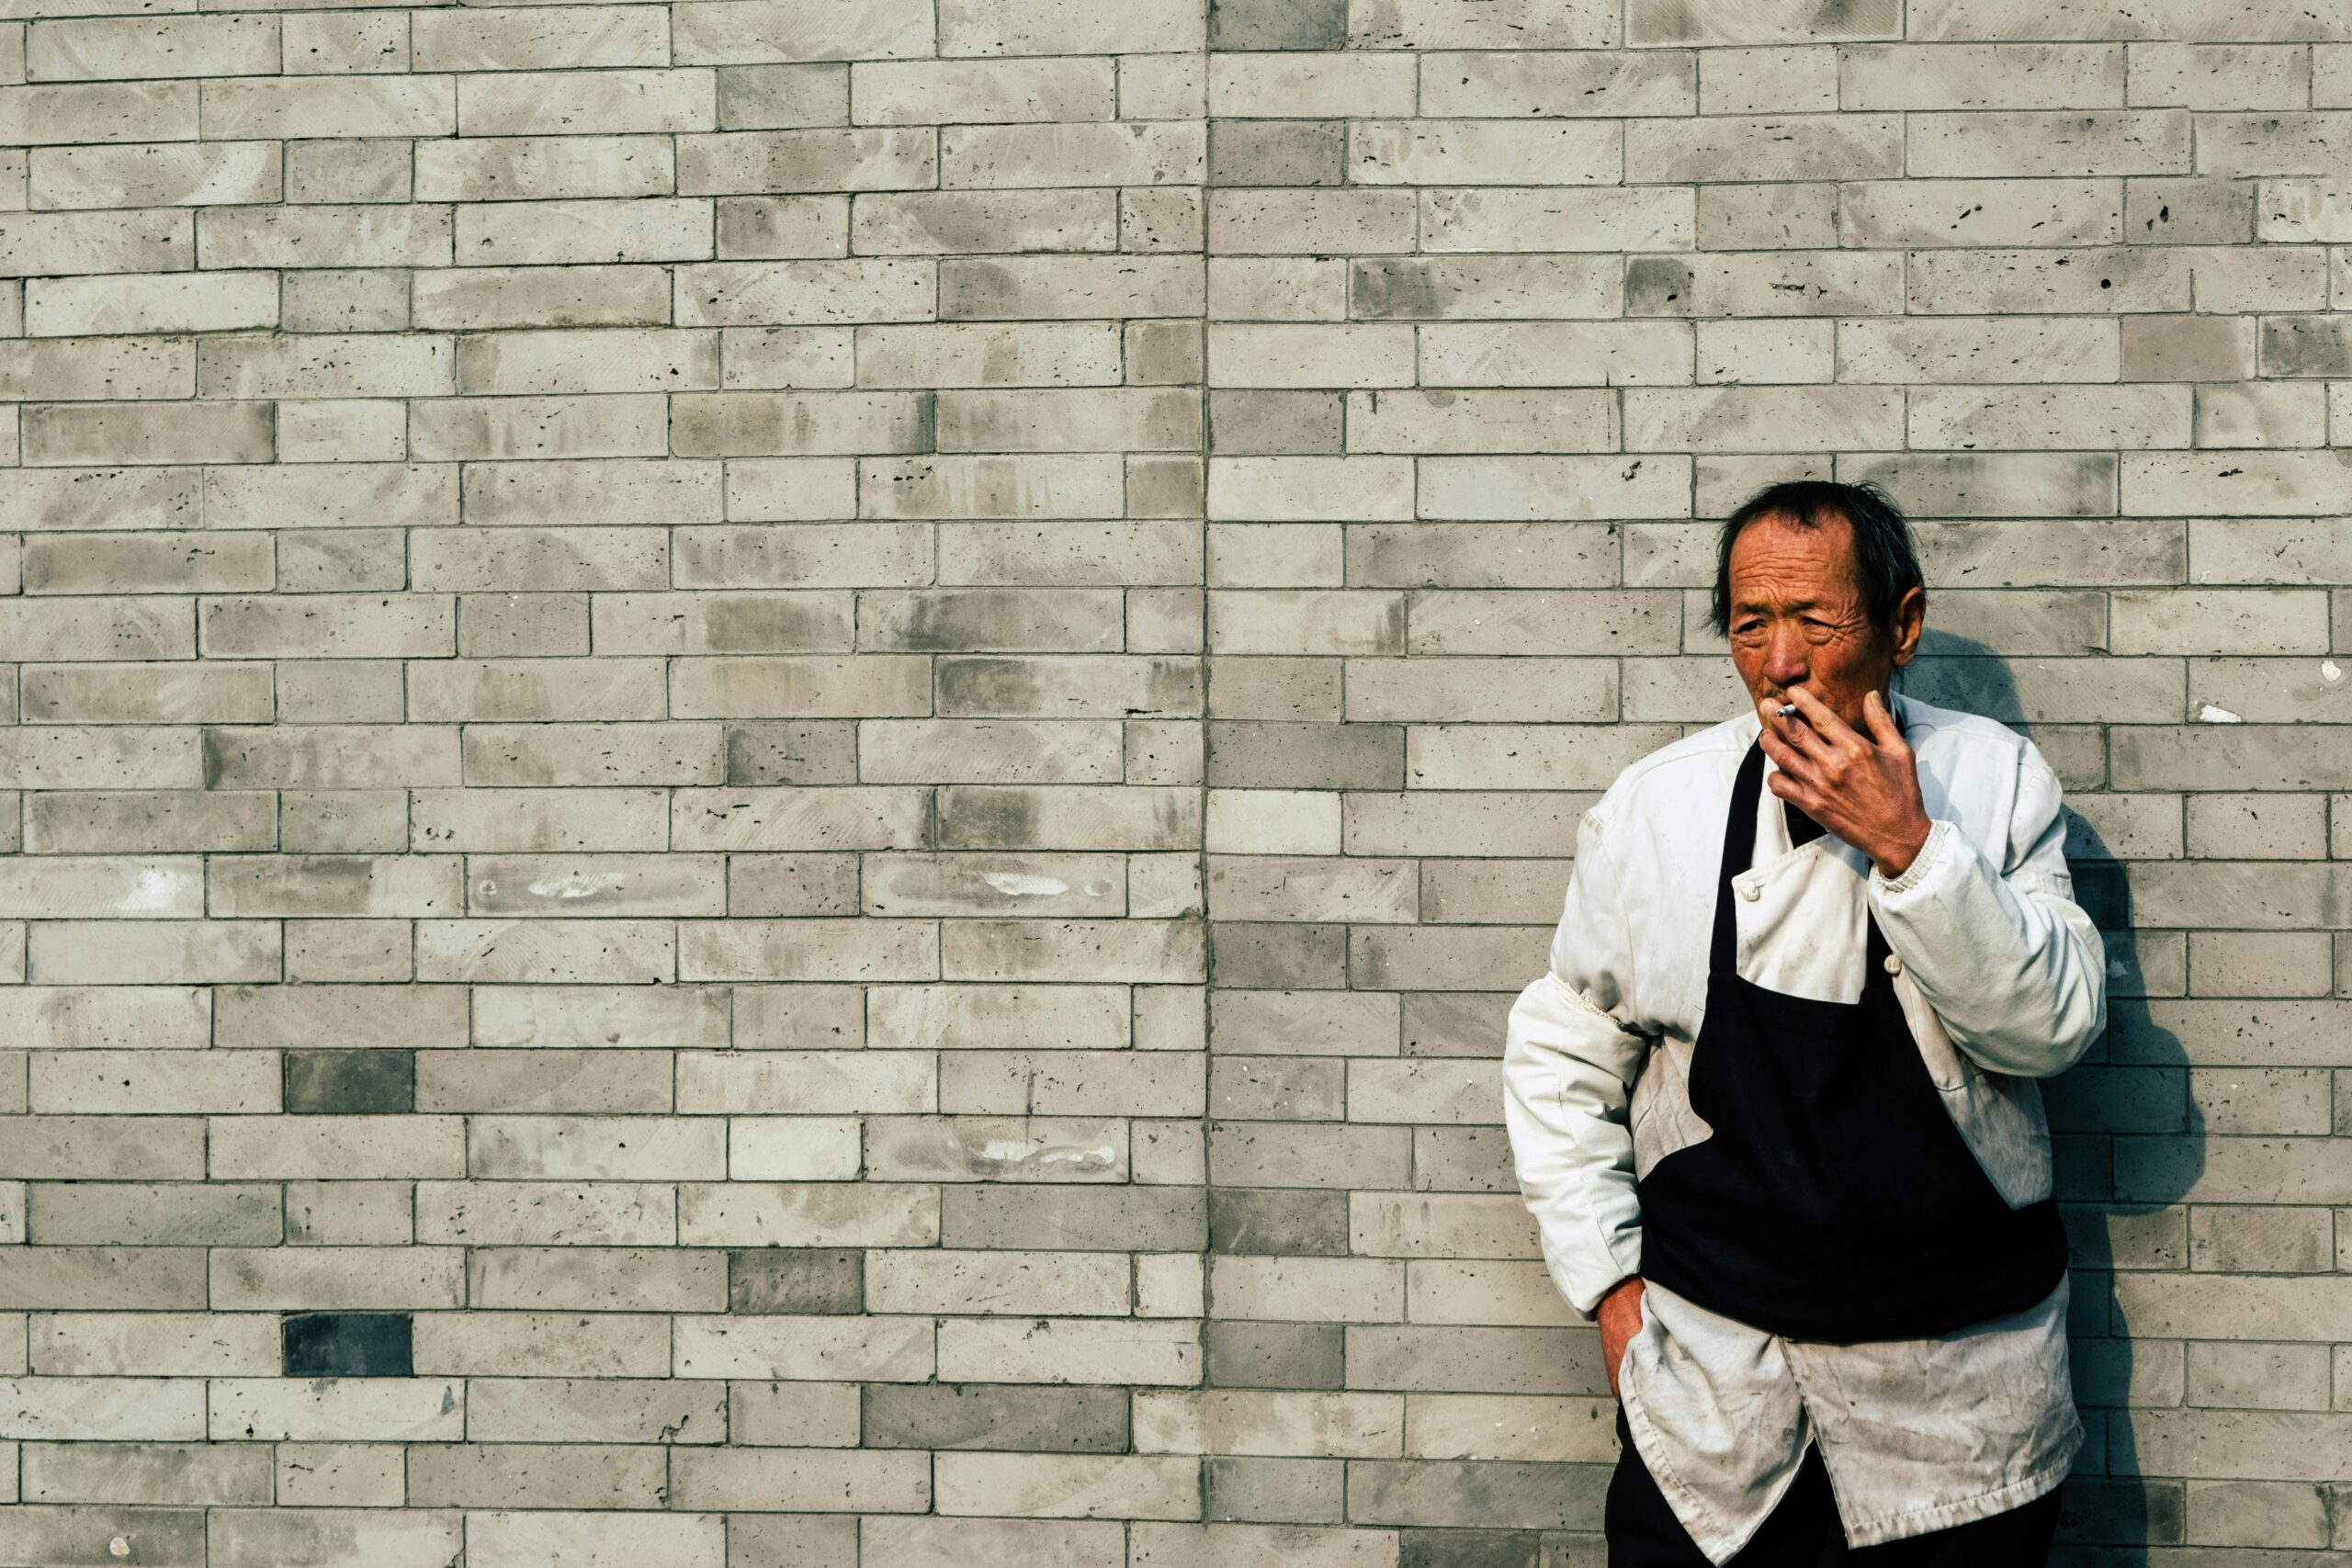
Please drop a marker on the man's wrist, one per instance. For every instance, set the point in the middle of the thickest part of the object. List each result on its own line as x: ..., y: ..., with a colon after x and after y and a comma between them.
x: 1900, y: 857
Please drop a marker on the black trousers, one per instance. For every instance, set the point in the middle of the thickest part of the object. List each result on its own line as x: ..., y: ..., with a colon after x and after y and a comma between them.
x: 1804, y: 1529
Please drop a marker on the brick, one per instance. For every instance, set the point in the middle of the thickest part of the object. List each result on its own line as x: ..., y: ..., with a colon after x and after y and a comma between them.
x: 401, y: 1539
x: 482, y: 298
x: 1037, y: 27
x: 2038, y: 282
x: 707, y: 32
x: 554, y: 232
x: 349, y: 1082
x: 332, y: 44
x: 341, y: 1411
x: 1597, y: 219
x: 87, y: 49
x: 374, y: 170
x: 553, y: 1081
x: 328, y: 300
x: 968, y: 92
x: 1066, y: 287
x: 231, y: 1473
x: 100, y: 112
x: 1653, y: 22
x: 2070, y: 418
x: 170, y: 1410
x: 602, y: 103
x: 639, y: 1278
x: 533, y: 39
x: 557, y: 1409
x: 689, y: 1542
x: 547, y: 1213
x: 731, y: 294
x: 157, y: 174
x: 346, y: 236
x: 323, y: 365
x: 1516, y: 80
x: 781, y: 97
x: 320, y: 107
x: 946, y: 222
x: 545, y: 168
x: 1975, y: 212
x: 104, y: 1083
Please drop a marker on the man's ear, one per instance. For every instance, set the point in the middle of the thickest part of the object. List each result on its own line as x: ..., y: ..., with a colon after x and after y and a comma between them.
x: 1911, y: 624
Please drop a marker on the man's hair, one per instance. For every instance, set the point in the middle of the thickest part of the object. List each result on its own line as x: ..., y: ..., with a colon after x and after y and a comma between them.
x: 1884, y: 565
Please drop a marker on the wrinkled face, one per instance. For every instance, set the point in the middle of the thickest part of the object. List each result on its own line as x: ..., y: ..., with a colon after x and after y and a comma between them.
x: 1797, y: 618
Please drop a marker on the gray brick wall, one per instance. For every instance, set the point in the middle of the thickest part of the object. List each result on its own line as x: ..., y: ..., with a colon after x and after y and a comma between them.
x: 779, y: 764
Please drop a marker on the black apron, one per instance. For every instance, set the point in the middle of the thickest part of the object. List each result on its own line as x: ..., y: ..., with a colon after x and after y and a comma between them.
x: 1836, y: 1198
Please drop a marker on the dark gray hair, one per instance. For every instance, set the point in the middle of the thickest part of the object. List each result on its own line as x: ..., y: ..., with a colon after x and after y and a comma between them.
x: 1885, y: 566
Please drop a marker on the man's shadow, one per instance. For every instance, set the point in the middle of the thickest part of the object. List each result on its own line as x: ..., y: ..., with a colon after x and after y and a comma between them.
x: 2133, y: 1083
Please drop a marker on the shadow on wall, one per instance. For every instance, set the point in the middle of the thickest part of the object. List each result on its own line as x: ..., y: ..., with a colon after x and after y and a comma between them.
x: 2130, y: 1144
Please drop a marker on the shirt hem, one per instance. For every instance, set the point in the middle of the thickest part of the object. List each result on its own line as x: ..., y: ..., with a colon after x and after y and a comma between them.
x: 1718, y: 1545
x: 1969, y: 1509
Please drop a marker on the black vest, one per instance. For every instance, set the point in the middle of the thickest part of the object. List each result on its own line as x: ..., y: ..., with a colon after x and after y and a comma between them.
x: 1835, y: 1199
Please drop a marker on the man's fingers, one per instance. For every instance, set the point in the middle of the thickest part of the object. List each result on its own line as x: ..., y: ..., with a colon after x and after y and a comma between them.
x: 1789, y: 764
x: 1791, y: 789
x: 1793, y: 734
x: 1824, y: 718
x: 1884, y: 730
x: 1814, y: 730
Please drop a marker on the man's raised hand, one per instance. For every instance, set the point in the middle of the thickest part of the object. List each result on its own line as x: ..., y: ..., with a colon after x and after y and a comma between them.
x: 1865, y: 789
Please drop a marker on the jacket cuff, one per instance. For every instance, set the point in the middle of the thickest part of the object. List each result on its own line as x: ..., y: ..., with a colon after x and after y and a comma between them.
x: 1940, y: 833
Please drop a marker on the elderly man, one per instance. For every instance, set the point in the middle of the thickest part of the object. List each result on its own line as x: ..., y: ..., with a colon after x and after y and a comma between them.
x: 1774, y: 1105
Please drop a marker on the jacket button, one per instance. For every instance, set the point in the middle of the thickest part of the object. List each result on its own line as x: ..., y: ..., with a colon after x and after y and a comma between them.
x: 1894, y: 965
x: 1749, y: 891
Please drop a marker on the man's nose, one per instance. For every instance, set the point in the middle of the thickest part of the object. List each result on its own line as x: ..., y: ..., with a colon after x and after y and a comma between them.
x: 1785, y: 664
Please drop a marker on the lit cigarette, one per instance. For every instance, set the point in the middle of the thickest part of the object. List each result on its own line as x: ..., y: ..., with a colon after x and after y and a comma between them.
x: 1784, y: 710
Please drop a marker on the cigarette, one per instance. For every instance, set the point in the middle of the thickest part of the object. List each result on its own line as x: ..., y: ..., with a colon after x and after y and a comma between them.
x: 1784, y: 710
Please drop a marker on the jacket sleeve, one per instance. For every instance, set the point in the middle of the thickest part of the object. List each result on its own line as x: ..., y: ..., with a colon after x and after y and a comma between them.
x: 1569, y: 1063
x: 2013, y: 966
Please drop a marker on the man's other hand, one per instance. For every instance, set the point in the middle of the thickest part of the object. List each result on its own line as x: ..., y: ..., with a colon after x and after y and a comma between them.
x: 1620, y: 1312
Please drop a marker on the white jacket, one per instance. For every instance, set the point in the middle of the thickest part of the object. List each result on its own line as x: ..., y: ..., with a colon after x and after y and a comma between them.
x: 2002, y: 977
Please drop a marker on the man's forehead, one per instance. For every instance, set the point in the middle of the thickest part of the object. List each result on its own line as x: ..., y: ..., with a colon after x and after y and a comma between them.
x: 1793, y: 565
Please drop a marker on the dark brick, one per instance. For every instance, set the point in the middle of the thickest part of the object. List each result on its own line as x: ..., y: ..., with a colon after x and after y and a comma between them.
x: 350, y: 1083
x: 2306, y: 345
x: 1659, y: 286
x: 996, y: 1415
x: 1276, y: 1491
x: 1278, y: 24
x: 1275, y: 755
x: 1275, y: 955
x: 1243, y: 422
x: 783, y: 752
x: 346, y: 1345
x: 777, y: 97
x: 1473, y: 1549
x: 795, y: 1279
x: 1277, y: 152
x: 1273, y: 1355
x: 1289, y: 1222
x: 1124, y: 1218
x: 1514, y: 1494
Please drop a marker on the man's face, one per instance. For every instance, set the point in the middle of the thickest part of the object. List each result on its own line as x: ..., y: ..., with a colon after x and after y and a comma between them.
x: 1797, y: 618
